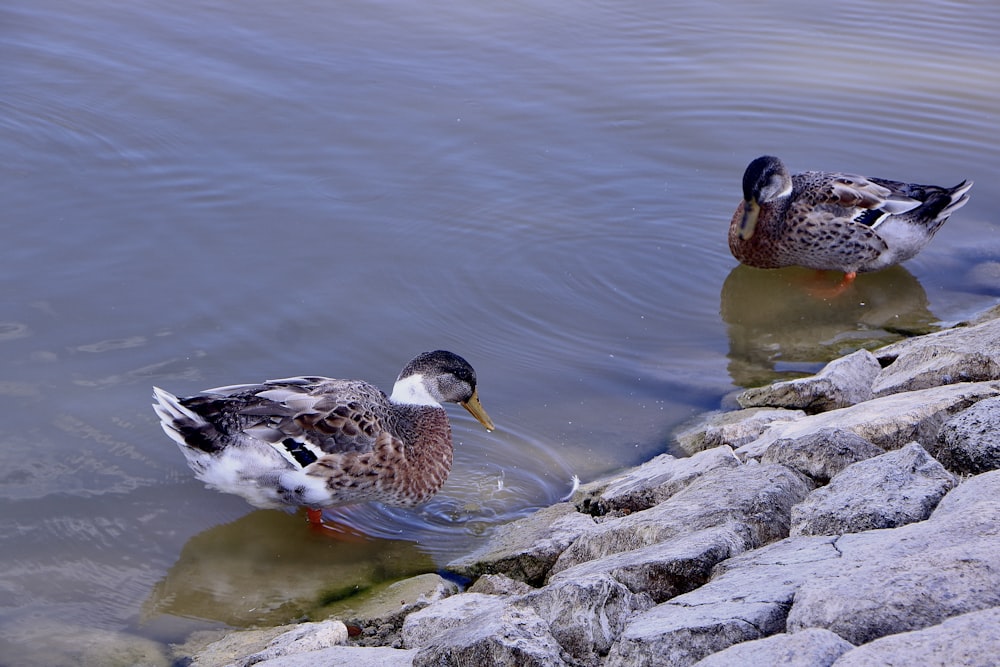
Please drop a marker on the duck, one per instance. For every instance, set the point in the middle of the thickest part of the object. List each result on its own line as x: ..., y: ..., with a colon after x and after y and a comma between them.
x: 317, y: 442
x: 835, y: 221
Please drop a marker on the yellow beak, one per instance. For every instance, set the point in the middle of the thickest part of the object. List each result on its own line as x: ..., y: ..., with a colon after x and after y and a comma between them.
x: 475, y: 408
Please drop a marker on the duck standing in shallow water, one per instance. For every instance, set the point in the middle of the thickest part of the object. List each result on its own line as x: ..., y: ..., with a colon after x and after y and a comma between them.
x: 834, y: 221
x: 316, y: 442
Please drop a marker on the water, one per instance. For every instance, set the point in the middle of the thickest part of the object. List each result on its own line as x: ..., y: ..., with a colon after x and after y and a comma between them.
x: 216, y: 193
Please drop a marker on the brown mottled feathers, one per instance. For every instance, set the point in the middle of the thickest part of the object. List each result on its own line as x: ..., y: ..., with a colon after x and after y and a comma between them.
x: 830, y: 220
x: 318, y: 442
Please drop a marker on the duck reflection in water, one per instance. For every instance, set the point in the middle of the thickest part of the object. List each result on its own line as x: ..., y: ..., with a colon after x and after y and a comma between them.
x: 777, y: 330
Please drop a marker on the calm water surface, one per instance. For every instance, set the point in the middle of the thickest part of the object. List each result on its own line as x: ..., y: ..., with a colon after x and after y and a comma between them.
x: 211, y: 193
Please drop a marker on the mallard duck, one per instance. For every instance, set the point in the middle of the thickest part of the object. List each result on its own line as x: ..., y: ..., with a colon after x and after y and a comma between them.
x: 834, y: 221
x: 316, y: 442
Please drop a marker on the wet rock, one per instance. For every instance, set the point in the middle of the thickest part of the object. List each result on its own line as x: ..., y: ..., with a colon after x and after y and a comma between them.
x: 969, y: 442
x: 732, y: 429
x: 886, y: 491
x: 495, y: 634
x: 969, y: 640
x: 653, y: 482
x: 842, y: 382
x: 755, y: 499
x: 888, y: 422
x: 379, y: 613
x: 303, y: 638
x: 822, y: 454
x: 346, y: 655
x: 962, y: 354
x: 911, y: 577
x: 585, y: 614
x: 527, y: 548
x: 812, y: 647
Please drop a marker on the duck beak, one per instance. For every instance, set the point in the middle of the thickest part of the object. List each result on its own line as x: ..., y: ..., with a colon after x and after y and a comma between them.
x: 751, y: 211
x: 475, y: 408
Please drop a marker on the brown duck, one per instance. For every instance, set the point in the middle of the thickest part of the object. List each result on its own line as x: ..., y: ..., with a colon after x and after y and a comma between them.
x: 316, y: 442
x: 835, y: 221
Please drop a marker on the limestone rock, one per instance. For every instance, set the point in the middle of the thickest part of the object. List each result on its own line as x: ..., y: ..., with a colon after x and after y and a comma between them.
x: 446, y: 616
x: 822, y: 454
x: 886, y: 491
x: 303, y: 638
x: 654, y: 481
x: 969, y: 442
x: 499, y: 584
x: 514, y: 636
x: 911, y: 577
x: 969, y: 640
x: 812, y: 647
x: 756, y: 499
x: 731, y: 428
x: 354, y: 656
x: 842, y: 382
x: 889, y: 422
x: 962, y: 354
x: 527, y: 548
x: 666, y: 569
x: 585, y: 614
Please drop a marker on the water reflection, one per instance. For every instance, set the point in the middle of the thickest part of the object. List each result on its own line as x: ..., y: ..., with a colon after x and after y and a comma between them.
x: 270, y: 567
x: 778, y: 327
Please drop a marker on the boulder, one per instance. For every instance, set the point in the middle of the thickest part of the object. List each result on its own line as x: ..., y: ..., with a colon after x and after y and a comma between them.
x: 585, y: 614
x: 888, y: 422
x: 962, y: 354
x: 812, y: 647
x: 355, y: 656
x: 732, y: 429
x: 756, y: 500
x: 527, y: 548
x: 969, y: 442
x: 842, y: 382
x: 822, y: 454
x: 886, y: 491
x: 911, y: 577
x: 969, y: 640
x: 303, y: 638
x: 495, y: 635
x: 651, y: 483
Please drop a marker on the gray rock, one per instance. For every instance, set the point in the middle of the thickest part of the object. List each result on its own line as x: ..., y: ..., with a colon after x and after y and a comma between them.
x: 303, y: 638
x: 842, y: 382
x: 886, y: 491
x: 969, y: 442
x: 499, y: 584
x: 822, y: 454
x: 526, y: 549
x: 732, y: 429
x: 748, y: 598
x: 653, y: 482
x: 812, y: 647
x: 962, y: 354
x: 446, y: 616
x: 666, y: 569
x: 969, y: 640
x: 514, y: 636
x: 354, y: 656
x: 755, y: 499
x: 585, y: 614
x: 912, y: 577
x: 889, y: 422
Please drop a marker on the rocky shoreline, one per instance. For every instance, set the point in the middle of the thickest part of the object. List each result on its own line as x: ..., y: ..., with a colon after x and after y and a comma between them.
x: 848, y: 518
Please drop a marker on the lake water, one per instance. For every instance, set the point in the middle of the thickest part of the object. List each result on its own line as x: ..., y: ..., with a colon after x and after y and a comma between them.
x: 207, y: 193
